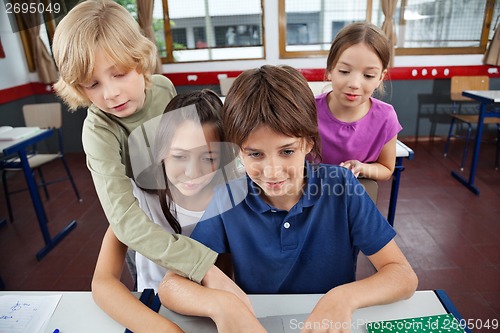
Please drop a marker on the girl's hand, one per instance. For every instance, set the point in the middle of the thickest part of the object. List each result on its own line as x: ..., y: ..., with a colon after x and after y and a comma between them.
x: 354, y: 165
x: 332, y: 314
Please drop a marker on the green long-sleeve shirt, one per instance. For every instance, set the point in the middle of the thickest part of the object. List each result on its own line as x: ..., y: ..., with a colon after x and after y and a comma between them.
x: 105, y: 141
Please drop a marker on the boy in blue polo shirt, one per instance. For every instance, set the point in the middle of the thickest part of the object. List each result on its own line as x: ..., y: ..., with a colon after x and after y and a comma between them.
x: 301, y: 225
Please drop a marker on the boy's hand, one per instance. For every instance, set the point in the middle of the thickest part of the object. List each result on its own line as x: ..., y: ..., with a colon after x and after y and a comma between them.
x: 332, y: 314
x: 216, y: 279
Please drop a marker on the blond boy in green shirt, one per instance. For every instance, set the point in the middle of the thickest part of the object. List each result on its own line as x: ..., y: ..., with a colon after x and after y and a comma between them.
x: 106, y: 64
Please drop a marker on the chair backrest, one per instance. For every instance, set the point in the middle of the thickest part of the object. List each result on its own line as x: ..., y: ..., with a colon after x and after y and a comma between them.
x: 319, y: 87
x: 43, y: 115
x: 225, y: 83
x: 371, y: 187
x: 461, y: 83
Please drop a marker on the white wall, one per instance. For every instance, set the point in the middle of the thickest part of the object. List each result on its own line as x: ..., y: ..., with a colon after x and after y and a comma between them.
x: 13, y: 68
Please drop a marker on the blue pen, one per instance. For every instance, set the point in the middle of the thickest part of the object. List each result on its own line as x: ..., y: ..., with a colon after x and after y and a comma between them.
x: 56, y: 330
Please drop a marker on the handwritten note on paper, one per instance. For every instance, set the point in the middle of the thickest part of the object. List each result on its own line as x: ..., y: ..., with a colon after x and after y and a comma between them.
x: 26, y: 313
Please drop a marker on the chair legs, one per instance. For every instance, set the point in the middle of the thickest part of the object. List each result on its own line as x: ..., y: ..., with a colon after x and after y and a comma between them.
x: 70, y: 176
x: 498, y: 147
x: 466, y: 149
x: 447, y: 144
x: 7, y: 198
x: 42, y: 183
x: 450, y: 131
x: 467, y: 142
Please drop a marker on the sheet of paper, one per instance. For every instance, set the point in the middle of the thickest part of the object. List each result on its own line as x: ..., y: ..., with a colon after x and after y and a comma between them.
x: 5, y: 128
x: 26, y: 314
x: 17, y: 133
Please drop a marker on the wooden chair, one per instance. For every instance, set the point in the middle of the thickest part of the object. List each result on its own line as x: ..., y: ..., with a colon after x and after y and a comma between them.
x: 371, y: 188
x: 225, y: 83
x: 319, y: 87
x: 459, y: 84
x: 45, y: 115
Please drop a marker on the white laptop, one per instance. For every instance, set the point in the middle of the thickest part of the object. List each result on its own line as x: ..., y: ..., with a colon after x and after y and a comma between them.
x: 272, y: 324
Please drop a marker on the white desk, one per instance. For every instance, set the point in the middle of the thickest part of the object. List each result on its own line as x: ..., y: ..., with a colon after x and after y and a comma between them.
x: 8, y: 147
x: 77, y: 312
x: 403, y: 150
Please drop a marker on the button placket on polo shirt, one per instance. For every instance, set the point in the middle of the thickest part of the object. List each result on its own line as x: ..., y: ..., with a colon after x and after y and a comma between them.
x: 288, y: 234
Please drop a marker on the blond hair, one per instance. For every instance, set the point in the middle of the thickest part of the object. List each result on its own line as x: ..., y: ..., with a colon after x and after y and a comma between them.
x: 92, y: 25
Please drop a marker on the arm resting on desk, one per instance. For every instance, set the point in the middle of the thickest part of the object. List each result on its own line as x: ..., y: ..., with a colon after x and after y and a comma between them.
x: 395, y: 280
x: 114, y: 298
x: 226, y: 309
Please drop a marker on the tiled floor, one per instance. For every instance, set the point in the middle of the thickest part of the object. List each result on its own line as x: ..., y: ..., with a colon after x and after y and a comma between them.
x: 450, y: 236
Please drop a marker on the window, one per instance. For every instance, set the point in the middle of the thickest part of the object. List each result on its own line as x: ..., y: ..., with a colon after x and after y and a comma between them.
x: 205, y: 30
x: 442, y: 26
x: 47, y: 21
x: 179, y: 36
x: 297, y: 33
x: 422, y: 26
x: 237, y: 35
x: 308, y: 27
x: 200, y: 38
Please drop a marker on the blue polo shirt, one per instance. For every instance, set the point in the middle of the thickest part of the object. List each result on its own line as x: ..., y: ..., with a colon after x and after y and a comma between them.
x: 310, y: 249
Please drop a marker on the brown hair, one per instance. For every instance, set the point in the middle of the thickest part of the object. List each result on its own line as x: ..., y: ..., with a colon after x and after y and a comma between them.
x: 95, y: 24
x: 360, y: 33
x: 207, y: 105
x: 275, y: 96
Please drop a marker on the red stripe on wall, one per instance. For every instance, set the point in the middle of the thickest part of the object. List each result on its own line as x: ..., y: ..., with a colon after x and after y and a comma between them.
x: 418, y: 73
x: 315, y: 74
x: 23, y: 91
x: 441, y: 72
x: 200, y: 78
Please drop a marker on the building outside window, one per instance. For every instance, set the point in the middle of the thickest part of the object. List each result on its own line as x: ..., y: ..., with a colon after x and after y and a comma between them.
x: 421, y: 26
x: 212, y: 29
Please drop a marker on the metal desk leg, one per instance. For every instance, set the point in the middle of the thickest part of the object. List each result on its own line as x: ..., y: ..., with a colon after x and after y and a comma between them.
x: 451, y: 308
x: 475, y: 155
x: 396, y: 175
x: 2, y: 285
x: 50, y: 242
